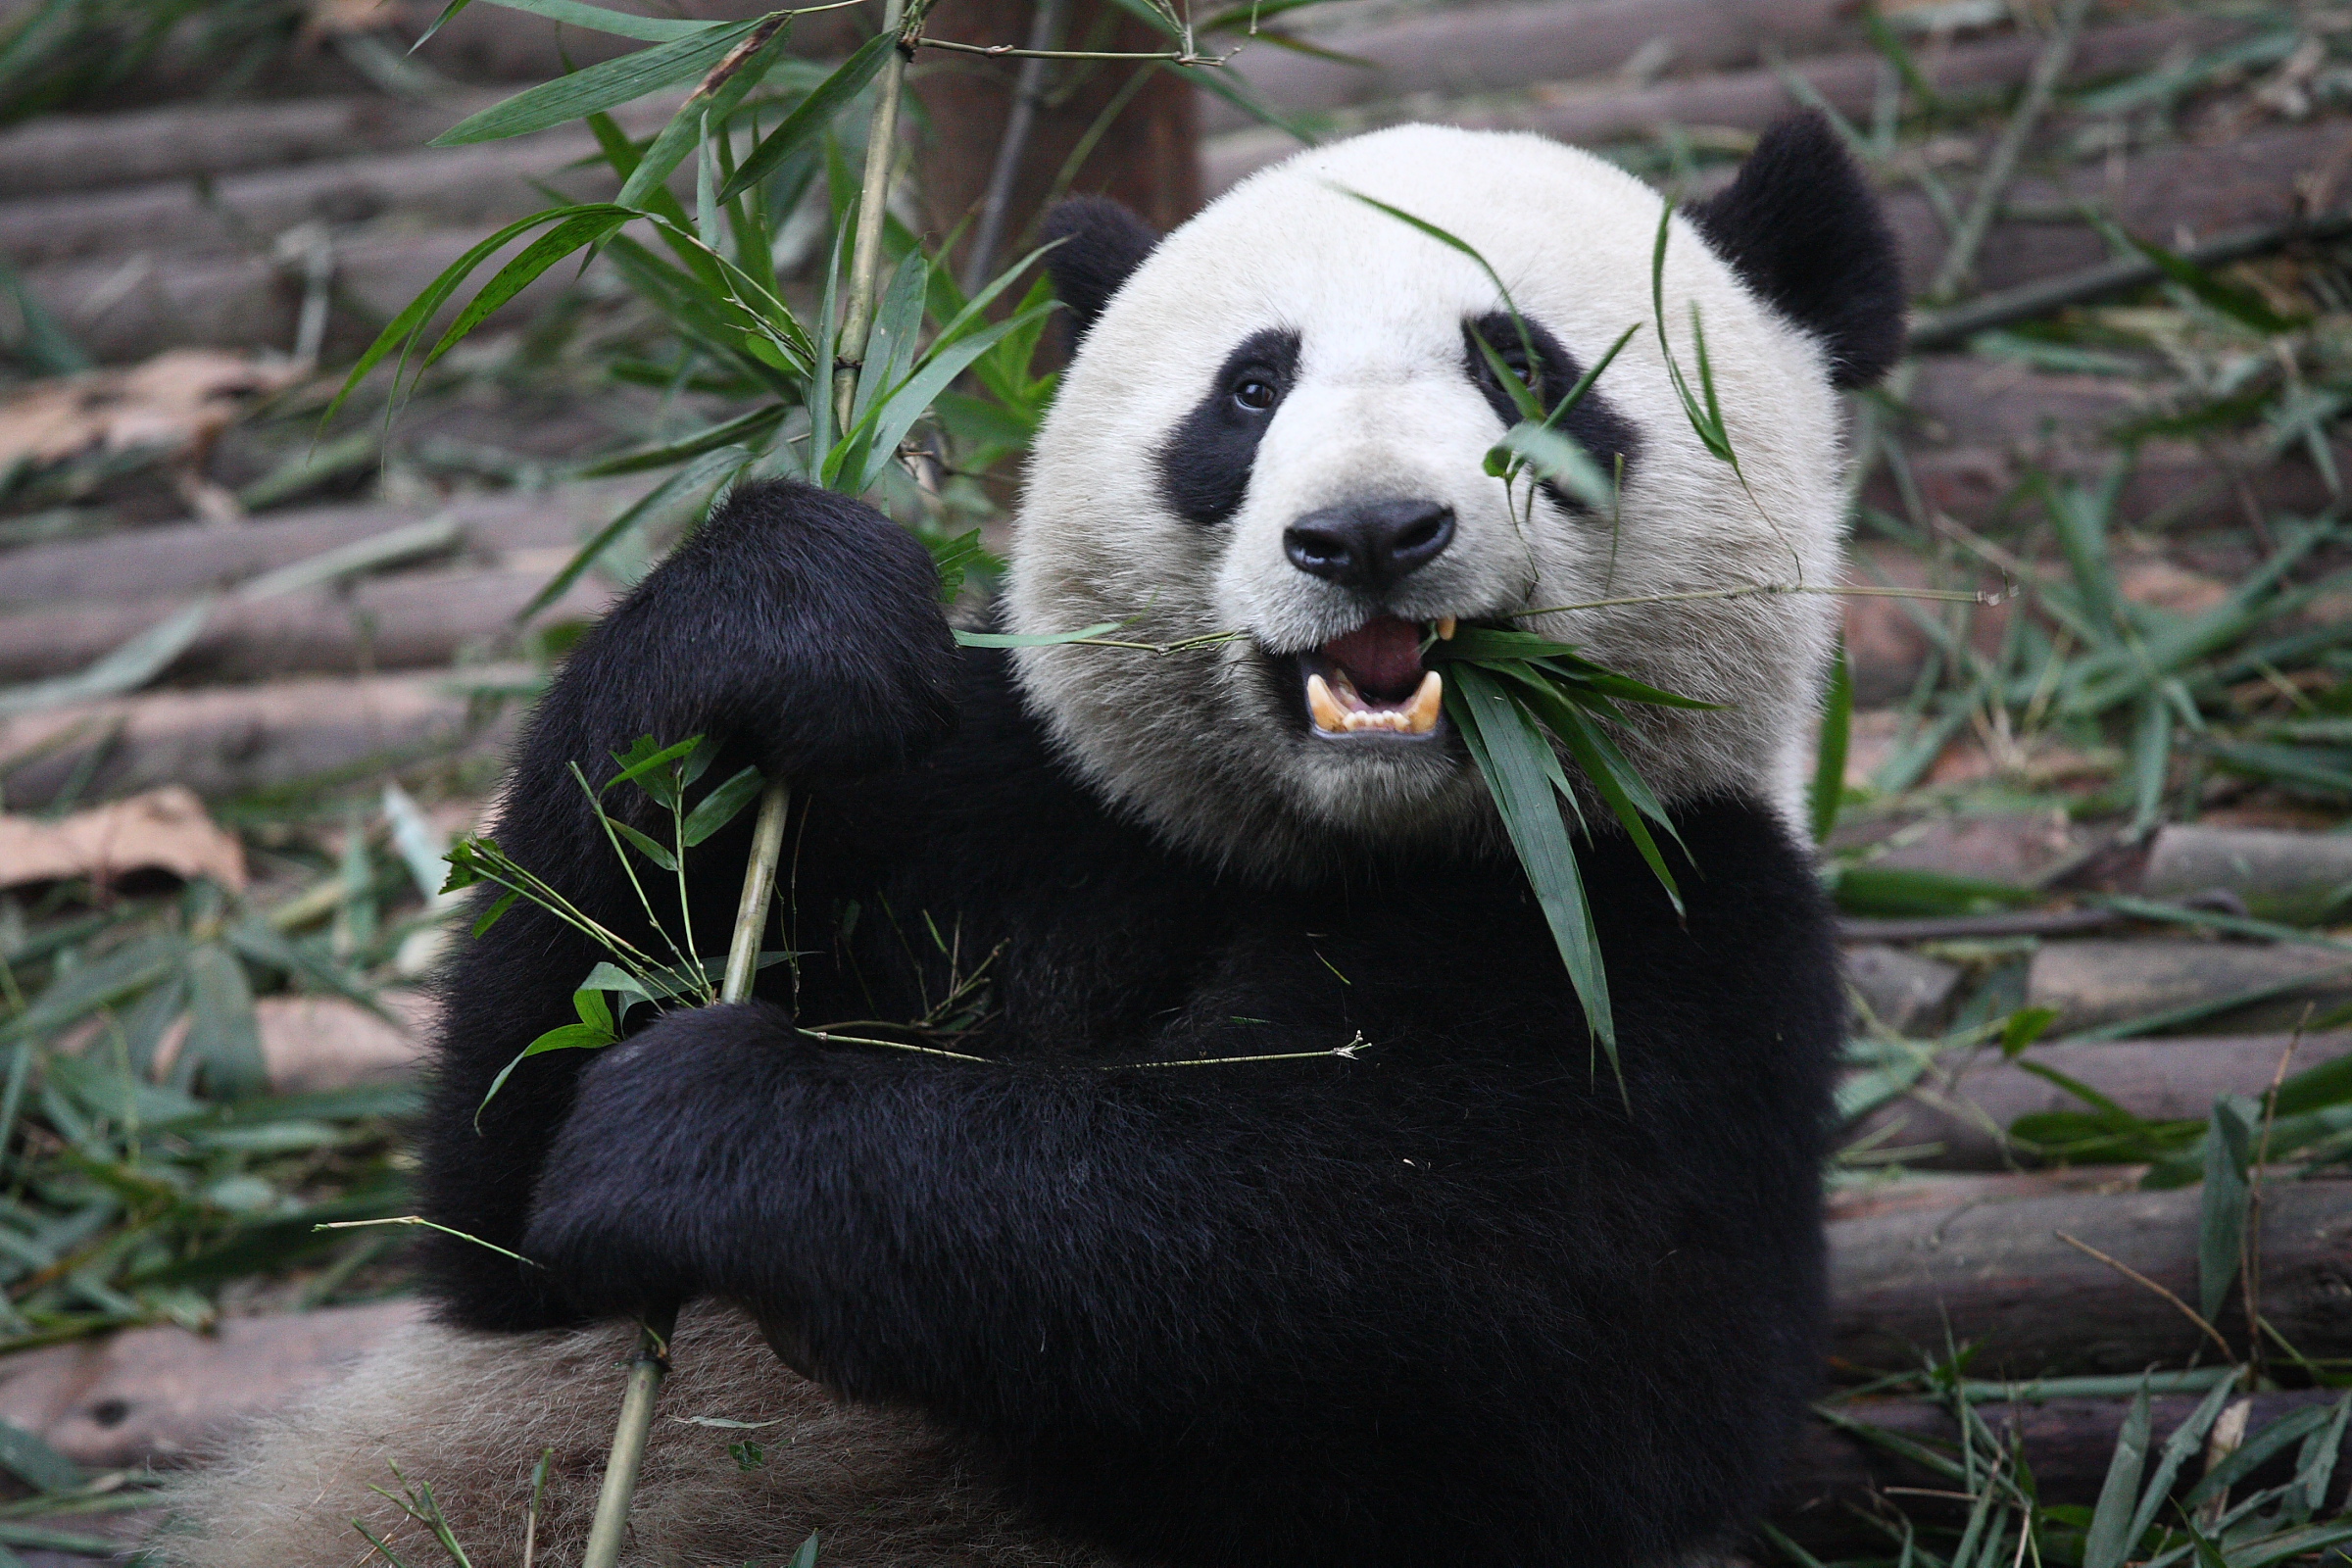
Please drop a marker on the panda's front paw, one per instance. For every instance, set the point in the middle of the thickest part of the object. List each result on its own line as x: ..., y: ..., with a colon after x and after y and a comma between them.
x: 818, y: 625
x: 656, y: 1163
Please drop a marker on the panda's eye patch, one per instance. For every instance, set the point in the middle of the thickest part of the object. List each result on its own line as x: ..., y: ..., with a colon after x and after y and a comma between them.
x: 1204, y: 465
x: 1548, y: 369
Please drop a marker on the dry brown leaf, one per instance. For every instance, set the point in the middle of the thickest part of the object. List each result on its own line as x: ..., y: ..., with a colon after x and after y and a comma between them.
x: 177, y: 402
x: 312, y: 1045
x: 162, y: 830
x: 332, y: 19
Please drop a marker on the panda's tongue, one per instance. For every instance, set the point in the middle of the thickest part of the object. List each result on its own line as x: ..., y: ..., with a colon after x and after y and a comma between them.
x: 1382, y: 657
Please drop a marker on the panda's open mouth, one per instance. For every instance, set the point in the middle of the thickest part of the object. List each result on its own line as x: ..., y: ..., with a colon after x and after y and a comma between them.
x: 1371, y: 683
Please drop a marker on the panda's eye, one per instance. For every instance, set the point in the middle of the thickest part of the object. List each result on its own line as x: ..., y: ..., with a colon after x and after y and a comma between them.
x: 1255, y: 393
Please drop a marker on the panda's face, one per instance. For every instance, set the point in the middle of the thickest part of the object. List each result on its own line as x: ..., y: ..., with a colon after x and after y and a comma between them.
x: 1278, y: 429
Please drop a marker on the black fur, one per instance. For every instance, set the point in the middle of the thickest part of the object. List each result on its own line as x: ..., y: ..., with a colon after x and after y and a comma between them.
x: 1449, y: 1302
x: 1604, y: 433
x: 1204, y: 465
x: 1101, y: 242
x: 1801, y: 226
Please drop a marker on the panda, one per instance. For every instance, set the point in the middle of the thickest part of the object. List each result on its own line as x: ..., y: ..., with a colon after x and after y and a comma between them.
x: 1287, y: 1218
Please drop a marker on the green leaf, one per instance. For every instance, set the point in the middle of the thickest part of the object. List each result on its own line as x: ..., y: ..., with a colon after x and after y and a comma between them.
x: 912, y: 400
x: 2315, y: 1465
x: 809, y: 117
x: 647, y: 845
x: 597, y: 19
x: 569, y: 1037
x: 606, y: 84
x: 805, y: 1557
x: 31, y: 1459
x: 722, y: 805
x: 2186, y: 1440
x: 645, y: 756
x: 404, y: 328
x: 2240, y: 305
x: 687, y: 126
x: 752, y: 426
x: 490, y: 916
x: 1830, y: 751
x: 585, y: 227
x: 954, y: 558
x: 1558, y: 456
x: 2250, y: 1455
x: 224, y: 1037
x: 2024, y: 1026
x: 1516, y: 763
x: 2221, y: 1219
x: 1035, y: 639
x: 2109, y: 1540
x: 593, y: 1009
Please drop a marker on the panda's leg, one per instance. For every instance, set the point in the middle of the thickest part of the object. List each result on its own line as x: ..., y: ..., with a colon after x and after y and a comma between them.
x: 802, y: 632
x: 469, y: 1414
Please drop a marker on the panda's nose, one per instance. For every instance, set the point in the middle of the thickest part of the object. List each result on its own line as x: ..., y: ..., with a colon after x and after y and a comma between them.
x: 1369, y: 544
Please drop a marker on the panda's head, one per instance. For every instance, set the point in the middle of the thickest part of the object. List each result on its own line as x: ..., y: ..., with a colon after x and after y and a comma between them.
x: 1276, y: 424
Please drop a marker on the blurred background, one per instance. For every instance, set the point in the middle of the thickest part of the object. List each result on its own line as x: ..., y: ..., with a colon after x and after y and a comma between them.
x: 2086, y: 828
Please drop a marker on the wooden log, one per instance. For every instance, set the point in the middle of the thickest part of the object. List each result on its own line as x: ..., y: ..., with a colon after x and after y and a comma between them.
x: 127, y: 309
x: 409, y: 620
x: 233, y: 740
x: 2098, y: 981
x: 185, y: 558
x: 2173, y: 194
x: 1996, y: 1274
x: 1483, y: 48
x: 479, y: 187
x: 1596, y: 112
x: 1958, y: 1119
x: 162, y: 1394
x: 2301, y: 877
x: 2068, y: 1442
x: 165, y: 1394
x: 1906, y: 992
x: 59, y: 154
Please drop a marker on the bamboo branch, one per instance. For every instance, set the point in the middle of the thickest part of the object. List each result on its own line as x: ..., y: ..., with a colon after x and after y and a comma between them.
x: 611, y: 1527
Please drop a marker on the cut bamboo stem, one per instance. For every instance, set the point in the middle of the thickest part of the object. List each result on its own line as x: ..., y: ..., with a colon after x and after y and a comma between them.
x: 610, y: 1526
x: 651, y: 1363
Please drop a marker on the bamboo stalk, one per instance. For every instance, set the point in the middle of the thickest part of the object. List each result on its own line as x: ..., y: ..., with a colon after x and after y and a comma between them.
x: 651, y: 1362
x: 646, y: 1371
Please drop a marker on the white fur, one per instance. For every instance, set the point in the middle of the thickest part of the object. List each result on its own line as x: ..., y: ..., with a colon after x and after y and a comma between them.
x: 1200, y: 744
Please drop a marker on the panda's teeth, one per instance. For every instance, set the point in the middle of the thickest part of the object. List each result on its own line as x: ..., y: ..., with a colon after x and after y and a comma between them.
x: 1421, y: 713
x: 1444, y: 629
x: 1329, y: 718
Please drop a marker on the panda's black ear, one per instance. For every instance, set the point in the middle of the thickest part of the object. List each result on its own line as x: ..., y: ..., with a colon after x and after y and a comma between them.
x: 1102, y: 243
x: 1800, y: 225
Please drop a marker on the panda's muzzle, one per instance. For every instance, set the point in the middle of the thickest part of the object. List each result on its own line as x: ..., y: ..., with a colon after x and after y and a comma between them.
x: 1371, y: 682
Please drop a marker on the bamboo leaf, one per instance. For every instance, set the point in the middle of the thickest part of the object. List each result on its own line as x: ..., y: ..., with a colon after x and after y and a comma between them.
x: 224, y: 1037
x: 598, y: 19
x: 2187, y: 1439
x: 722, y: 805
x: 1511, y: 754
x: 606, y: 84
x: 912, y: 399
x: 648, y: 846
x: 704, y: 106
x: 567, y: 1037
x: 586, y: 228
x: 2222, y: 1218
x: 2108, y: 1542
x: 1558, y: 456
x: 809, y: 117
